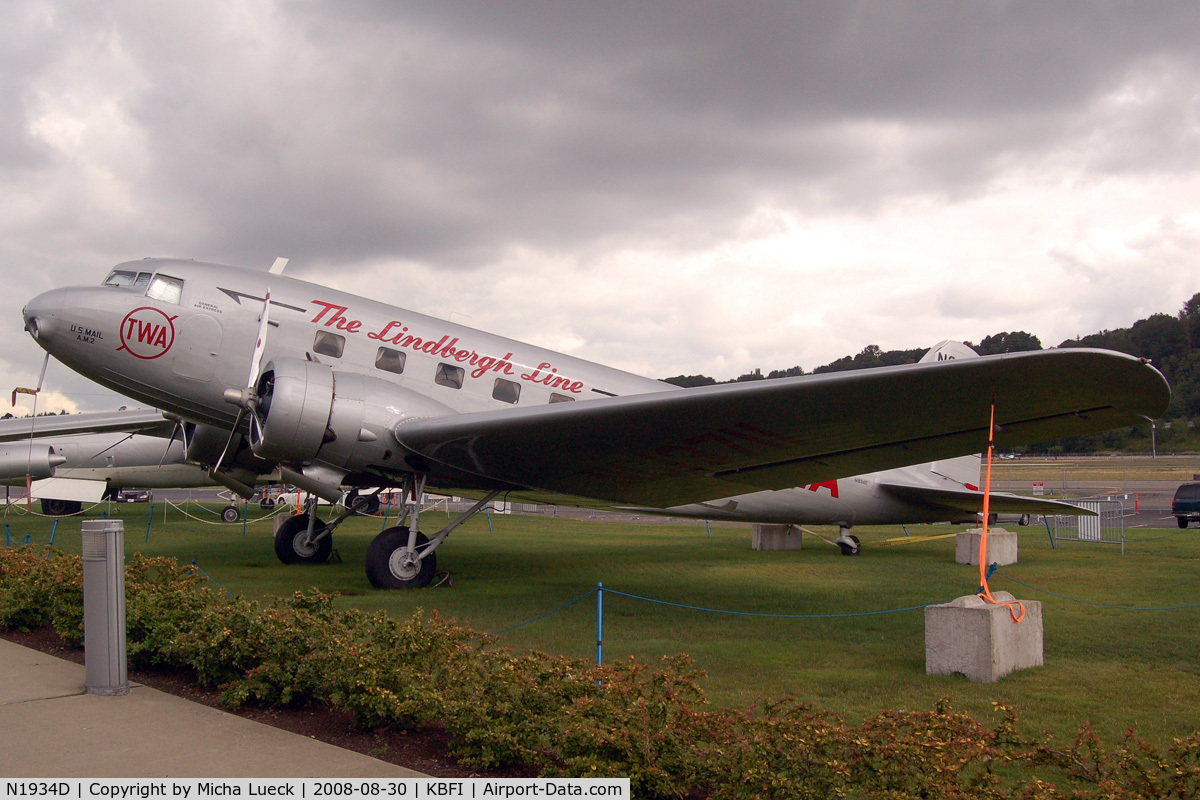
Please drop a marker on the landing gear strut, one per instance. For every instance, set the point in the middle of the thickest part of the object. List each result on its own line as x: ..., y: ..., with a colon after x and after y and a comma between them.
x: 307, y: 539
x: 847, y: 541
x: 402, y: 557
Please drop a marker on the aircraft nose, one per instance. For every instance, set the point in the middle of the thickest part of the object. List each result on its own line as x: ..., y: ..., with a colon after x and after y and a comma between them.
x: 39, y: 312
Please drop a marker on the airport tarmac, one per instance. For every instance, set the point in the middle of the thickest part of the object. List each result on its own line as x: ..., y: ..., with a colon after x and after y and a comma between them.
x: 54, y: 729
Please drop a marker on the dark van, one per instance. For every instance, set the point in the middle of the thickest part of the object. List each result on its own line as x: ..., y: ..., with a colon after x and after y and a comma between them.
x: 1186, y: 505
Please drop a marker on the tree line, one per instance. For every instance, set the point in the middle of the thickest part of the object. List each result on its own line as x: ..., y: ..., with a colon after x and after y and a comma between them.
x: 1171, y: 342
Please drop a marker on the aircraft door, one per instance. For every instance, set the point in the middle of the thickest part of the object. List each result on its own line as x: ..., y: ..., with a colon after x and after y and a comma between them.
x: 197, y: 347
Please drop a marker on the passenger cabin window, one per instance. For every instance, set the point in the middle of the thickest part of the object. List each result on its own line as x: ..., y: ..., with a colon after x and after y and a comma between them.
x: 449, y: 375
x: 506, y: 391
x: 555, y: 397
x: 329, y: 344
x: 166, y: 289
x: 389, y: 360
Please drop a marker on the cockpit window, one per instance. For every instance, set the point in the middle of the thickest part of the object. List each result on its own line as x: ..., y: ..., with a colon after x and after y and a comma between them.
x: 164, y: 288
x: 156, y: 287
x: 127, y: 277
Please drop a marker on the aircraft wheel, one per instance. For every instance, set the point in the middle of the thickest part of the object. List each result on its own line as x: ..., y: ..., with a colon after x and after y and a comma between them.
x: 290, y: 545
x: 850, y: 549
x: 388, y: 563
x: 1183, y: 521
x: 267, y: 504
x: 1024, y: 520
x: 230, y: 514
x: 364, y: 505
x: 60, y: 508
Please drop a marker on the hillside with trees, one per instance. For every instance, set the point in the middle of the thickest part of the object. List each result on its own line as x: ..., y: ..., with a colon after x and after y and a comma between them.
x: 1172, y: 343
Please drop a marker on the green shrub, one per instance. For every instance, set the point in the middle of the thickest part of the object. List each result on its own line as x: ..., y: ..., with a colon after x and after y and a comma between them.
x: 566, y: 717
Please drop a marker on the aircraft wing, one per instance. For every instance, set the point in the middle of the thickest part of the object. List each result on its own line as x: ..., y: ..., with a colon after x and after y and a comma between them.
x: 148, y: 421
x: 971, y: 502
x: 676, y: 447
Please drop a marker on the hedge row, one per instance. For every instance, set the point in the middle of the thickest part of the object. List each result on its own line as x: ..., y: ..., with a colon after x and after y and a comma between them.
x: 563, y: 717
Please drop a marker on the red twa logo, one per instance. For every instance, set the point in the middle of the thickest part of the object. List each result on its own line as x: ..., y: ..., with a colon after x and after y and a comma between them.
x: 147, y: 332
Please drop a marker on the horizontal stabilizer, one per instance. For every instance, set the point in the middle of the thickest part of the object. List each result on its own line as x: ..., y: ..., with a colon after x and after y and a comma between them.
x: 971, y: 502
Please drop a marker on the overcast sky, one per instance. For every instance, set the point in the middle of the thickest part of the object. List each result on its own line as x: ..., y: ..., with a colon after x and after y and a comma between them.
x: 665, y: 187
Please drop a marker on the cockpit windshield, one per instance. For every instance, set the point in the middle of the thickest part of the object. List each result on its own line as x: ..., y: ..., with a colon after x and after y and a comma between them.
x: 156, y: 287
x: 128, y: 279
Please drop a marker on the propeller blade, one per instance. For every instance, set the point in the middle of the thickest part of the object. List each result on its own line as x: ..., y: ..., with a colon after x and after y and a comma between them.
x: 261, y: 344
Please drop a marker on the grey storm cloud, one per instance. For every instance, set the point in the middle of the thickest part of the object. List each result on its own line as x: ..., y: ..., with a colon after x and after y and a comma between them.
x: 450, y: 136
x: 441, y: 131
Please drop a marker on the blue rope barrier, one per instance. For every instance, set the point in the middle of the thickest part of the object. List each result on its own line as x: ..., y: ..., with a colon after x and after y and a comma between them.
x: 991, y: 571
x: 599, y: 624
x: 600, y: 588
x: 567, y: 604
x: 210, y: 577
x: 778, y: 616
x: 1099, y: 605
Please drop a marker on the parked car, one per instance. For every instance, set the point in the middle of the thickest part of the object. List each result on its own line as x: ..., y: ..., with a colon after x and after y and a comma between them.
x: 1185, y: 507
x: 135, y: 496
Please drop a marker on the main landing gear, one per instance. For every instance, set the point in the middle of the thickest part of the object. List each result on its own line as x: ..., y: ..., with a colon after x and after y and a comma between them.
x: 402, y: 557
x: 307, y: 539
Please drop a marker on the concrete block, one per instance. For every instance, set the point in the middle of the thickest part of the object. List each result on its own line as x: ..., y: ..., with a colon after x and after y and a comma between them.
x: 972, y: 637
x: 1001, y: 547
x: 776, y: 537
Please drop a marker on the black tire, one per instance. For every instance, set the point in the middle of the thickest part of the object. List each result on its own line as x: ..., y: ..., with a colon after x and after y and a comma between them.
x: 850, y: 550
x: 289, y: 542
x: 267, y: 504
x: 363, y: 505
x: 60, y: 508
x: 386, y: 570
x: 230, y: 514
x: 1183, y: 521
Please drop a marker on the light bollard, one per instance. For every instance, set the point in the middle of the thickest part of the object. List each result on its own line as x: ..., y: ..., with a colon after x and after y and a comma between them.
x: 104, y: 607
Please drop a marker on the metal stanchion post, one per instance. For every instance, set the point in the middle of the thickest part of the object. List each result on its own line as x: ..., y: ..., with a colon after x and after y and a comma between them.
x: 104, y: 650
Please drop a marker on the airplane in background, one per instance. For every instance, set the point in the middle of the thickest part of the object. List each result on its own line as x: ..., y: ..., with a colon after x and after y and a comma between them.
x: 344, y: 391
x: 64, y: 472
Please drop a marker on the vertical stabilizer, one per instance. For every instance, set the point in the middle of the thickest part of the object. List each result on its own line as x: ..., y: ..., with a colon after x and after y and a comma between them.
x: 965, y: 469
x: 947, y: 350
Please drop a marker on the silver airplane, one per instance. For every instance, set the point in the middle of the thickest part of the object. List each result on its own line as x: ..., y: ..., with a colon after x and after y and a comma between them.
x: 334, y: 390
x: 67, y: 471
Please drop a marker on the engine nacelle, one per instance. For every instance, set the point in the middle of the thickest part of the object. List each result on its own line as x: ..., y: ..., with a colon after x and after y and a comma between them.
x: 345, y: 419
x: 17, y: 461
x: 295, y: 399
x: 206, y: 443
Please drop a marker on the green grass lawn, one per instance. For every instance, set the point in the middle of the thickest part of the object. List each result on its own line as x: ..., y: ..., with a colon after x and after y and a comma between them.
x: 1118, y: 668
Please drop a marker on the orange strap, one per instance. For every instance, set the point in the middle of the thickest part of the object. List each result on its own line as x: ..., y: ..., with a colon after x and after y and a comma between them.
x: 984, y: 591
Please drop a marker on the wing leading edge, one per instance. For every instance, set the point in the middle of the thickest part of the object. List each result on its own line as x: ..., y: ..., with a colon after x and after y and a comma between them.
x: 671, y: 448
x: 147, y: 421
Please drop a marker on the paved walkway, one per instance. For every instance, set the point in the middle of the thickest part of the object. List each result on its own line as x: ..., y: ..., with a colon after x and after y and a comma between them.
x: 51, y: 728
